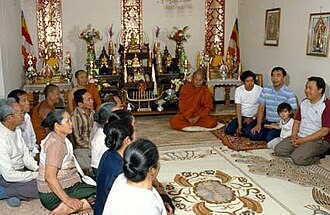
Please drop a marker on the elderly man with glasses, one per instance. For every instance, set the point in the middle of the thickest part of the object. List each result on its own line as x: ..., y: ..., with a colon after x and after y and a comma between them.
x: 18, y: 169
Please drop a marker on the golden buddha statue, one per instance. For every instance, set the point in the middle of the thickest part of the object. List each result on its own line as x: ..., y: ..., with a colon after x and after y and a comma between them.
x: 136, y: 62
x: 216, y: 58
x: 215, y: 62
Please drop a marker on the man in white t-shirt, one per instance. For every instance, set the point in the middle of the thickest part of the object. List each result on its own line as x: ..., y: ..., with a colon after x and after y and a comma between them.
x: 246, y: 100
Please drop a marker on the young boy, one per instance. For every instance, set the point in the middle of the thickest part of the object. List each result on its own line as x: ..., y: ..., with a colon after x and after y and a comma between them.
x: 28, y: 133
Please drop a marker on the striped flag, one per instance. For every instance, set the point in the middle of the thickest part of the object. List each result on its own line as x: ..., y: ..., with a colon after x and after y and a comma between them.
x: 27, y: 45
x: 233, y: 58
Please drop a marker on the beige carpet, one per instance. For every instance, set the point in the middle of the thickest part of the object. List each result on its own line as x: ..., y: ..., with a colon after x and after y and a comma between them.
x: 205, y: 177
x: 212, y: 179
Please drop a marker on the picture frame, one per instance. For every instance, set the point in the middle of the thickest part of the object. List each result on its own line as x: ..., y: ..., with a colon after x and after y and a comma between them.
x: 318, y: 34
x: 272, y: 27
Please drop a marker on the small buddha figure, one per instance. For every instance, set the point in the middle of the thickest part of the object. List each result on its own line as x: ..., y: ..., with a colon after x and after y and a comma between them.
x: 133, y: 41
x: 216, y: 58
x: 136, y: 62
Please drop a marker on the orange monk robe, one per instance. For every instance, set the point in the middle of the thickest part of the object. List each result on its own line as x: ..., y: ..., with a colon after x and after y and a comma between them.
x: 193, y: 102
x: 91, y: 88
x: 36, y: 120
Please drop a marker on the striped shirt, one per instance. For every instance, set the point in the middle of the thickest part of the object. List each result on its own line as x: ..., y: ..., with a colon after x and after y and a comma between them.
x: 82, y: 127
x: 271, y: 98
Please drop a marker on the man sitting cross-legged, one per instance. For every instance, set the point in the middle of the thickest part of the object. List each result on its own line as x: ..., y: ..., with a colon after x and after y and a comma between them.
x: 270, y: 98
x: 18, y: 169
x: 246, y: 100
x: 310, y: 134
x: 82, y: 119
x: 195, y: 105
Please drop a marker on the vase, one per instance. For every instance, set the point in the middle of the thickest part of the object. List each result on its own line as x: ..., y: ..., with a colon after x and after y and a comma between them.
x: 111, y: 48
x: 178, y: 48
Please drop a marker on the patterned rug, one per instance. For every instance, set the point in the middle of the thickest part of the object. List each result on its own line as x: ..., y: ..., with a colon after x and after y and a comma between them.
x: 211, y: 179
x: 238, y: 143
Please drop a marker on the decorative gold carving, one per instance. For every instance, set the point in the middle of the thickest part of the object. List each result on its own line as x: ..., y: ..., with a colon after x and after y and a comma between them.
x: 49, y: 25
x: 214, y: 25
x: 131, y: 23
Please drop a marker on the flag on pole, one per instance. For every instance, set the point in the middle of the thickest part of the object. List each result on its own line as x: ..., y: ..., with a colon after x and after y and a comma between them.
x: 27, y: 45
x: 233, y: 58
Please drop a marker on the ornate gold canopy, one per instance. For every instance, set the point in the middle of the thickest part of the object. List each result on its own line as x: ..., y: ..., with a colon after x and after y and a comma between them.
x: 49, y: 25
x: 131, y: 22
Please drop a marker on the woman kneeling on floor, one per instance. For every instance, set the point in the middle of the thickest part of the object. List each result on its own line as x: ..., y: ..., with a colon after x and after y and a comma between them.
x: 132, y: 191
x: 60, y: 187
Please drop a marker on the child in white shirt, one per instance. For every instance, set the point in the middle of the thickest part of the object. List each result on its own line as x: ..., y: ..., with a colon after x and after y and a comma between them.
x: 285, y: 111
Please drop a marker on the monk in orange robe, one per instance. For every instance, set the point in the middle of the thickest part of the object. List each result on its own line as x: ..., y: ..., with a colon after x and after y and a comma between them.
x: 82, y: 81
x: 40, y: 111
x: 195, y: 105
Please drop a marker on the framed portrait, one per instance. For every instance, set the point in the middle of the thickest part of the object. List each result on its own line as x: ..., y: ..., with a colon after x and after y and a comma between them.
x: 318, y: 34
x: 272, y: 27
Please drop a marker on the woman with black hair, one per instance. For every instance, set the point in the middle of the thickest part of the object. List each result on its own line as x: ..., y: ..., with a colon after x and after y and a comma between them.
x: 132, y: 192
x: 119, y: 133
x: 60, y: 187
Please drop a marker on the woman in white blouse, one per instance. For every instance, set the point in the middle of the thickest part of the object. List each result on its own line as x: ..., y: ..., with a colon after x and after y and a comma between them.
x: 97, y: 136
x: 132, y: 192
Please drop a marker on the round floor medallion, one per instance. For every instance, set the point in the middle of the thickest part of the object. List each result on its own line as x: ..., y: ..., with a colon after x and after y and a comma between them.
x: 214, y: 192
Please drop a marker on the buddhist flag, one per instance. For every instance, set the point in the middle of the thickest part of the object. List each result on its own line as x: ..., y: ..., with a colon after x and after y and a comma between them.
x: 233, y: 58
x: 27, y: 45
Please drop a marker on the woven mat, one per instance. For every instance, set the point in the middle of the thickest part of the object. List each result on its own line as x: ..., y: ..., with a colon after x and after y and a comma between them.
x: 238, y: 143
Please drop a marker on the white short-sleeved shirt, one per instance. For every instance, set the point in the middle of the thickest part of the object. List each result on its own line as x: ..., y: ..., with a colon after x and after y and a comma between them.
x: 311, y: 117
x: 127, y: 199
x: 286, y: 128
x: 248, y: 100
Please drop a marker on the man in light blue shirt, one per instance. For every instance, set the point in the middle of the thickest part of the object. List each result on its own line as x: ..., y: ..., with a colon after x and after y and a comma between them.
x: 270, y: 98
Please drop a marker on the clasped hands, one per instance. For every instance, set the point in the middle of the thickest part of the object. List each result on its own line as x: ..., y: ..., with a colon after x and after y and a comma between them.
x: 296, y: 141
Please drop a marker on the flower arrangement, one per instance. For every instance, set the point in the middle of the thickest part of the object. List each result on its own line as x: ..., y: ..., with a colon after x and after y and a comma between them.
x: 179, y: 35
x: 177, y: 83
x: 31, y: 73
x: 90, y: 35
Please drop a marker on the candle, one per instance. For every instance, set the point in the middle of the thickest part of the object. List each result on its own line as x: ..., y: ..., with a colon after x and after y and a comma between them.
x: 153, y: 74
x: 198, y: 60
x: 207, y: 71
x: 125, y: 74
x: 155, y: 89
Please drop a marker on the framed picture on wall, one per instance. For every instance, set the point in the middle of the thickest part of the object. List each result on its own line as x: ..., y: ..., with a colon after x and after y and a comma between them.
x: 318, y: 34
x: 272, y: 27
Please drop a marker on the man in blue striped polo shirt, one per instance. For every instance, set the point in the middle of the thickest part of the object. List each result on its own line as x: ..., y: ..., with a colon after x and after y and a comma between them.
x: 270, y: 98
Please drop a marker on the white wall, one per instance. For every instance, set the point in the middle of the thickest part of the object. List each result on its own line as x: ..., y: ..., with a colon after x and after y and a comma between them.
x: 78, y: 13
x: 291, y: 52
x: 10, y: 46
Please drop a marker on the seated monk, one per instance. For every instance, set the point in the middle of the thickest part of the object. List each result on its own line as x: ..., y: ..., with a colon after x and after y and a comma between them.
x: 82, y: 82
x: 40, y: 111
x: 195, y: 105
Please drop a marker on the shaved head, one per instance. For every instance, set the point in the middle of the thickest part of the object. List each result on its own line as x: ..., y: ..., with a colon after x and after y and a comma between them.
x: 198, y: 78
